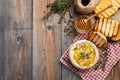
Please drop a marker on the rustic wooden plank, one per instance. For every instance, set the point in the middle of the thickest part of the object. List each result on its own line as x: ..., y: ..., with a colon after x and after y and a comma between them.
x: 46, y: 44
x: 66, y: 41
x: 2, y: 56
x: 13, y: 12
x: 15, y: 54
x: 115, y: 73
x: 15, y: 40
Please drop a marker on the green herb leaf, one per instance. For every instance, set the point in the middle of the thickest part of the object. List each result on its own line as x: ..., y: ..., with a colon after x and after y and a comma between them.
x: 103, y: 59
x: 82, y: 55
x: 96, y: 67
x: 88, y: 55
x: 59, y: 7
x: 103, y: 66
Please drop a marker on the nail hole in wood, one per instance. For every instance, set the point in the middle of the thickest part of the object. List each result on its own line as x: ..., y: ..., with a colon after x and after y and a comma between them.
x: 19, y: 77
x: 18, y: 38
x: 49, y: 27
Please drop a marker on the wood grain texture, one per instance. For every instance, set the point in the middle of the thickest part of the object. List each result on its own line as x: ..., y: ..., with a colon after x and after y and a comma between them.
x: 30, y: 48
x: 66, y: 41
x: 46, y: 44
x: 15, y: 12
x: 15, y: 40
x: 15, y: 53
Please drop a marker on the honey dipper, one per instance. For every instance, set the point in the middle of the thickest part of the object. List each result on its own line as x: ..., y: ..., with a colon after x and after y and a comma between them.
x: 83, y: 23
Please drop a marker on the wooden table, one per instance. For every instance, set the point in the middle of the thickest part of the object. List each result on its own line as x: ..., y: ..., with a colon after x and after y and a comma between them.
x: 29, y: 50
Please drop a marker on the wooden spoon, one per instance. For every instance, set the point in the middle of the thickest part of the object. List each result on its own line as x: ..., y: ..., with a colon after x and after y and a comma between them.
x: 83, y: 23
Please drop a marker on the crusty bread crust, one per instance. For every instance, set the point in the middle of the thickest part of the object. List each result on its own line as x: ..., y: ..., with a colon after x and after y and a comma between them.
x: 97, y: 38
x: 107, y: 27
x: 109, y: 12
x: 117, y: 37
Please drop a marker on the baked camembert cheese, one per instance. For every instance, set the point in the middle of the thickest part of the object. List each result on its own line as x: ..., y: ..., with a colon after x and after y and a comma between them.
x: 83, y: 54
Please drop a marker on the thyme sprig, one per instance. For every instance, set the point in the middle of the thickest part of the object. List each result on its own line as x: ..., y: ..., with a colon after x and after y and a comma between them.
x: 59, y: 7
x: 84, y: 55
x: 103, y: 59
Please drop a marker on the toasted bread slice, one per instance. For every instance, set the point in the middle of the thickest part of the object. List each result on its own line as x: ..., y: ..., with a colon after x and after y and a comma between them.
x: 109, y: 12
x: 100, y: 7
x: 107, y: 30
x: 103, y: 14
x: 100, y: 25
x: 116, y: 24
x: 104, y: 25
x: 96, y: 25
x: 117, y: 37
x: 91, y: 36
x: 99, y: 15
x: 98, y: 39
x: 95, y: 38
x: 116, y: 3
x: 111, y: 29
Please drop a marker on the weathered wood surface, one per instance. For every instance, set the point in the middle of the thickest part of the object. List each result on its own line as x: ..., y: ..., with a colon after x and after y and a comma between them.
x: 46, y: 43
x: 15, y: 40
x: 30, y: 48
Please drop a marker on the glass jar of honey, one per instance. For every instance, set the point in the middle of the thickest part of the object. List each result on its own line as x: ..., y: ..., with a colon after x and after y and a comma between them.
x: 80, y: 28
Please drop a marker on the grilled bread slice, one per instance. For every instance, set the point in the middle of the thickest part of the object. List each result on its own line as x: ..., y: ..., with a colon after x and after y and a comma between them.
x: 117, y: 37
x: 106, y: 26
x: 107, y: 29
x: 107, y: 13
x: 115, y: 28
x: 96, y: 25
x: 116, y: 3
x: 97, y: 38
x: 111, y: 29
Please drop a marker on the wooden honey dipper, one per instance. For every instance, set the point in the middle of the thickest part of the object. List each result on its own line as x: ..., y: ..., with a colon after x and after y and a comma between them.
x: 83, y: 23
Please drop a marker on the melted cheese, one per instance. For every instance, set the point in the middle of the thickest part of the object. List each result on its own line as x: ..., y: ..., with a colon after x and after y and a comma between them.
x: 81, y: 59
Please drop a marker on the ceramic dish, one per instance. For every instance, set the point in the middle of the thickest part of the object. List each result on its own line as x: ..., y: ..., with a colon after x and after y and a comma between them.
x: 83, y: 54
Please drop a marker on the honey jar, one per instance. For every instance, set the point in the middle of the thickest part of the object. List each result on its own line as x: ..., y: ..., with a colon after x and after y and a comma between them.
x: 82, y: 29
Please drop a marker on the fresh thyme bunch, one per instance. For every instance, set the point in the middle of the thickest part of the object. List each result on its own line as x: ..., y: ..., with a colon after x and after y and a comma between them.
x: 59, y: 7
x: 103, y: 59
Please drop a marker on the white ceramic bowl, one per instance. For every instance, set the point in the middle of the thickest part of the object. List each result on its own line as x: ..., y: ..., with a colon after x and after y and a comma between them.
x: 71, y: 54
